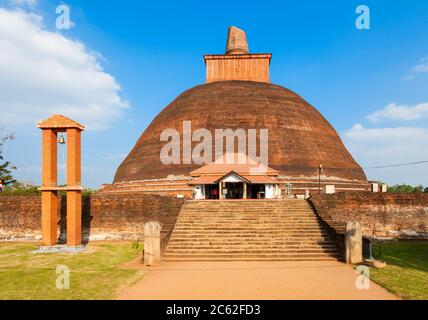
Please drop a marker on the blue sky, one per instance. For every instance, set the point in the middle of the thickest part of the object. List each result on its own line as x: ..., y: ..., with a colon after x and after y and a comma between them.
x: 153, y: 51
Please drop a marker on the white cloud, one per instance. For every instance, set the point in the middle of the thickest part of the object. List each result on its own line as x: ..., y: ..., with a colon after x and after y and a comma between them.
x: 44, y: 72
x: 421, y: 68
x: 374, y: 147
x: 394, y: 112
x: 30, y: 3
x: 401, y: 135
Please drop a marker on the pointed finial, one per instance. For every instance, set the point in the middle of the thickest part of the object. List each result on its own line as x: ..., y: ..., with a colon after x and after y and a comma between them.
x: 236, y: 41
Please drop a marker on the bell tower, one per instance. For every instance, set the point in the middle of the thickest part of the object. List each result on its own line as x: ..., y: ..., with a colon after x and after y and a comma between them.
x: 237, y: 63
x: 50, y: 129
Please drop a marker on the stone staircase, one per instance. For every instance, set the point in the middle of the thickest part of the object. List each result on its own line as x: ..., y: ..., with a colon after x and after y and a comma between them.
x: 250, y: 230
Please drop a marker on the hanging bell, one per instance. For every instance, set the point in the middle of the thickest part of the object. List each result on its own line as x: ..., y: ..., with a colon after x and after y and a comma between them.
x: 61, y: 140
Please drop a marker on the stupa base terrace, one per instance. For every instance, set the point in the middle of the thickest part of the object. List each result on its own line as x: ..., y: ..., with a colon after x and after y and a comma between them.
x: 182, y: 187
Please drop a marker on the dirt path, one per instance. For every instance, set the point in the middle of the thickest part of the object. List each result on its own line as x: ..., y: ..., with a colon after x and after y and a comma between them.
x: 250, y: 281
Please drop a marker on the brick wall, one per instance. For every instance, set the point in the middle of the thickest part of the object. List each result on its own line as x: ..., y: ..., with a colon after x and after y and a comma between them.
x: 105, y: 217
x: 122, y: 216
x: 20, y: 217
x: 382, y: 215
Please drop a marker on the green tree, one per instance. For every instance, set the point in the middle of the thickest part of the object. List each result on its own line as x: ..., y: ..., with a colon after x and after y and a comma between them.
x: 5, y: 166
x: 405, y: 188
x: 419, y: 189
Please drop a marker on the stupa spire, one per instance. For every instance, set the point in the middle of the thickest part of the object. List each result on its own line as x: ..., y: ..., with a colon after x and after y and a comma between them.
x: 237, y: 63
x: 236, y: 41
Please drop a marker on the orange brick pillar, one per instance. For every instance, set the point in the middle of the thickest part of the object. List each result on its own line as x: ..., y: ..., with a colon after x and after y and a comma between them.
x: 50, y: 129
x: 49, y: 180
x: 74, y: 193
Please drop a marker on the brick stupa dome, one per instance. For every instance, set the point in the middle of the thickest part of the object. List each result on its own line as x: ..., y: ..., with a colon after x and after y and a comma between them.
x: 238, y: 95
x: 300, y: 138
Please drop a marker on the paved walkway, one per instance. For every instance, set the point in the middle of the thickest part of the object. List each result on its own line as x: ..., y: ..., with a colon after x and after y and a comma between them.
x: 251, y: 281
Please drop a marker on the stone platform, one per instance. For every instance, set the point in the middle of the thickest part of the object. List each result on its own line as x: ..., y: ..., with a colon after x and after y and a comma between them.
x: 60, y: 249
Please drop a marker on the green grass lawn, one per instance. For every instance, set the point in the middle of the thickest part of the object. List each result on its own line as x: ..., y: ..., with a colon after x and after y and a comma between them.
x: 407, y: 272
x: 94, y: 274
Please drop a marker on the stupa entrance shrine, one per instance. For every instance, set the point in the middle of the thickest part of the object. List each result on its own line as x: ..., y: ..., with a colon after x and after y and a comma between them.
x: 238, y: 95
x: 235, y: 180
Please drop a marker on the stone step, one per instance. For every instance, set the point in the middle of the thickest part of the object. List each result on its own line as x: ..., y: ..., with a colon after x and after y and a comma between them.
x: 270, y: 256
x: 234, y: 251
x: 260, y: 228
x: 246, y: 209
x: 250, y: 259
x: 176, y: 239
x: 249, y: 231
x: 247, y: 201
x: 247, y: 204
x: 252, y: 227
x: 249, y: 209
x: 250, y: 206
x: 220, y: 204
x: 241, y: 248
x: 280, y: 223
x: 216, y: 219
x: 249, y: 247
x: 212, y: 242
x: 254, y: 211
x: 270, y: 232
x: 243, y: 253
x: 251, y: 222
x: 241, y: 210
x: 221, y: 233
x: 248, y: 242
x: 246, y: 214
x: 250, y: 239
x: 248, y: 235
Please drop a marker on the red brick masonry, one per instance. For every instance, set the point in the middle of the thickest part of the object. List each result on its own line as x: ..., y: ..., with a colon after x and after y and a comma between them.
x: 382, y: 215
x: 122, y: 216
x: 105, y: 217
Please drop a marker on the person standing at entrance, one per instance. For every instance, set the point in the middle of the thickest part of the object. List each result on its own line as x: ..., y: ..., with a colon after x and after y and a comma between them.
x: 214, y: 193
